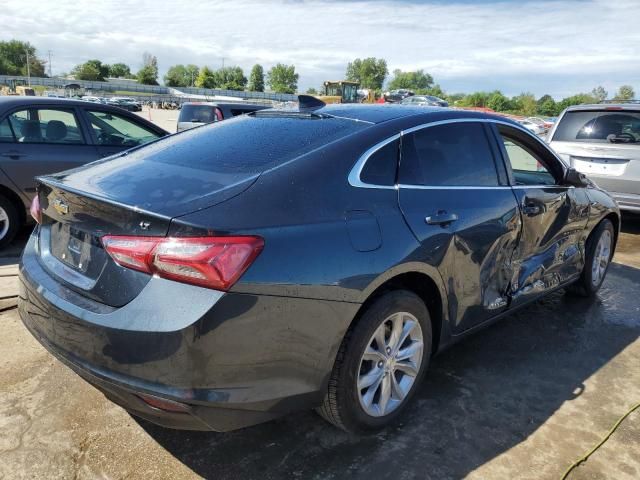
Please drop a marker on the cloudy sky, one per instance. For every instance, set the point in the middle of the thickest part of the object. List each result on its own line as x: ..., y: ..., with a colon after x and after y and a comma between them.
x: 559, y: 47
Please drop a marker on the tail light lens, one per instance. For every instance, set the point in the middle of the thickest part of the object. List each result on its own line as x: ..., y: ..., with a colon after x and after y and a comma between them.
x: 212, y: 262
x: 35, y: 210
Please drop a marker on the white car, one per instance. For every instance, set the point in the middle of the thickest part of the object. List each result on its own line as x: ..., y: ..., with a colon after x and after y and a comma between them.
x: 532, y: 127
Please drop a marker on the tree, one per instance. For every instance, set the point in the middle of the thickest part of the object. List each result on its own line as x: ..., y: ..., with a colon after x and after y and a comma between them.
x: 599, y: 93
x: 369, y: 72
x: 181, y: 76
x: 411, y: 80
x: 256, y: 79
x: 91, y: 70
x: 206, y: 78
x: 283, y: 78
x: 625, y: 92
x: 525, y: 103
x: 547, y: 106
x: 498, y: 102
x: 148, y: 74
x: 476, y: 99
x: 578, y: 99
x: 13, y: 59
x: 311, y: 91
x: 230, y: 78
x: 119, y: 70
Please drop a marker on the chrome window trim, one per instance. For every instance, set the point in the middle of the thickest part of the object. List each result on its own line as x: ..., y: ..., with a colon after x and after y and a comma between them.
x: 356, y: 170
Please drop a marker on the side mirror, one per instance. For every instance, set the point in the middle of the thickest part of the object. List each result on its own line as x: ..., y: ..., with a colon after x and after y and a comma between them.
x: 575, y: 178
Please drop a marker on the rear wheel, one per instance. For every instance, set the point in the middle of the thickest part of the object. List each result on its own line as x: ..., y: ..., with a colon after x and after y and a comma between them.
x: 598, y: 253
x: 9, y: 221
x: 380, y: 364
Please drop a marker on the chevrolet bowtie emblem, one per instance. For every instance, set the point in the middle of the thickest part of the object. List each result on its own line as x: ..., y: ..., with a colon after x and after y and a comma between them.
x: 60, y: 207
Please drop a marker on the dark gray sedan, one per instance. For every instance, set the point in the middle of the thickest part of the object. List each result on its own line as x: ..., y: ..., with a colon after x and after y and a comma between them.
x: 40, y: 135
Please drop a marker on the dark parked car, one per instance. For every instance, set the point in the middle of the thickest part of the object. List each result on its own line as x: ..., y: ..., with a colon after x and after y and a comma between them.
x: 286, y: 260
x: 396, y: 96
x: 126, y: 103
x: 194, y: 114
x: 40, y: 135
x: 425, y: 101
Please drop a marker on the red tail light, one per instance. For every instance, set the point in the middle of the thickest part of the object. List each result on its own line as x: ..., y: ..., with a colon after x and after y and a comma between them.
x: 212, y: 262
x: 35, y: 210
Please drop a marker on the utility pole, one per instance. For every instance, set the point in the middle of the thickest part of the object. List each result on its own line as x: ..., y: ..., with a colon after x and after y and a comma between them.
x: 49, y: 63
x: 28, y: 68
x: 223, y: 62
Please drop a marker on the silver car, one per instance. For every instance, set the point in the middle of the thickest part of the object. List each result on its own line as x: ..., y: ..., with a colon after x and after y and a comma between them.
x: 603, y: 141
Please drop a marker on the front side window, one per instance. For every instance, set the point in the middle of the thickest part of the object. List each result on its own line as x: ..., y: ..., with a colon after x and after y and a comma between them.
x: 112, y: 130
x: 599, y: 127
x: 43, y: 125
x: 456, y: 154
x: 527, y: 167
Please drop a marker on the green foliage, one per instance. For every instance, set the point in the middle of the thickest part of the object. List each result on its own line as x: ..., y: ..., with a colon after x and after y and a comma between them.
x: 498, y: 102
x: 256, y: 79
x: 91, y: 70
x: 230, y: 78
x: 417, y: 80
x: 181, y: 76
x: 283, y: 78
x: 206, y: 78
x: 148, y: 74
x: 369, y: 72
x: 311, y: 91
x: 547, y: 106
x: 625, y: 92
x: 599, y: 93
x: 575, y: 100
x: 476, y: 99
x: 119, y: 70
x: 525, y: 103
x: 13, y: 59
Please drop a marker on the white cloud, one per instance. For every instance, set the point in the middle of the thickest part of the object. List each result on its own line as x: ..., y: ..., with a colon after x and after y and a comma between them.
x: 558, y: 47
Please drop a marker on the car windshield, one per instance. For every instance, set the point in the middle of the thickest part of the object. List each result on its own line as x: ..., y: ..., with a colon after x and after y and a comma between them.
x: 197, y: 113
x: 603, y: 126
x: 248, y: 144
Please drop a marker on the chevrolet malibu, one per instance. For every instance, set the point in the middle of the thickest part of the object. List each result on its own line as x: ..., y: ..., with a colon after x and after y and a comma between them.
x: 297, y: 259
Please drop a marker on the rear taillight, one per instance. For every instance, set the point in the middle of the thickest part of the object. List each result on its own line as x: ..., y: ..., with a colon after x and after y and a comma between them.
x: 35, y: 210
x: 212, y: 262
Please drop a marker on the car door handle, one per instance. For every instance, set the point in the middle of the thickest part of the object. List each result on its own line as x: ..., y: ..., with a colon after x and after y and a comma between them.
x: 13, y: 155
x: 441, y: 218
x: 531, y: 209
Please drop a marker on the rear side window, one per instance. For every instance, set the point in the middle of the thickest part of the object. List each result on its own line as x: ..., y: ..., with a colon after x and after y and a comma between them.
x: 6, y: 135
x: 456, y: 154
x: 380, y: 167
x: 44, y: 125
x: 599, y: 127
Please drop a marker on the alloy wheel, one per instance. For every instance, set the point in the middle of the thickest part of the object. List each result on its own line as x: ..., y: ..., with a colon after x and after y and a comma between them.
x: 4, y: 223
x: 601, y: 258
x: 390, y: 364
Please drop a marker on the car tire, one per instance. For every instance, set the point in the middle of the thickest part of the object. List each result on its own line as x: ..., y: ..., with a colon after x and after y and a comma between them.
x: 9, y: 221
x: 361, y: 410
x: 598, y: 254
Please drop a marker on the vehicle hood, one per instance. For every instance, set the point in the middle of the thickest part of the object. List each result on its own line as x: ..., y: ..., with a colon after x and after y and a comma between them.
x: 159, y: 188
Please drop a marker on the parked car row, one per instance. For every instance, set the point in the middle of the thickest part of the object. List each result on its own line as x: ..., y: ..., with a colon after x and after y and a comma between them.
x: 123, y: 102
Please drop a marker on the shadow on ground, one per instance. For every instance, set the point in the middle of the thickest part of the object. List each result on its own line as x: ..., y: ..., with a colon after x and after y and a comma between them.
x: 481, y: 398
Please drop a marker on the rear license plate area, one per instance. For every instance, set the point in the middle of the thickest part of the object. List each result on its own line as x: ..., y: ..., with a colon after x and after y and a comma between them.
x: 600, y: 166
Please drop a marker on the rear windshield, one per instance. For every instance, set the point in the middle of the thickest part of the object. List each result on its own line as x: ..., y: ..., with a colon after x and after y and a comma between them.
x: 247, y: 144
x: 599, y: 127
x: 198, y: 114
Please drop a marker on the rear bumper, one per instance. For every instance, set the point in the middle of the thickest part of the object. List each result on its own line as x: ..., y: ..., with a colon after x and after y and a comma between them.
x: 627, y: 201
x: 235, y: 361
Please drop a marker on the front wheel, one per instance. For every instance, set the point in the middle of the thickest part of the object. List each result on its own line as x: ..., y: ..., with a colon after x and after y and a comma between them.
x: 9, y: 221
x: 380, y: 364
x: 598, y: 254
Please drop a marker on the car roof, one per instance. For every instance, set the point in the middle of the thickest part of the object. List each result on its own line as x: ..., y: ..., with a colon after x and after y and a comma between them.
x: 378, y: 113
x: 605, y: 106
x: 227, y: 104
